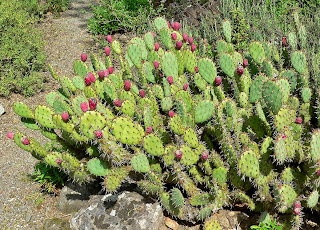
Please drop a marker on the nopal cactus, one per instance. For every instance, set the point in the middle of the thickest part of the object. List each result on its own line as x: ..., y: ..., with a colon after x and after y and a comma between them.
x: 196, y: 133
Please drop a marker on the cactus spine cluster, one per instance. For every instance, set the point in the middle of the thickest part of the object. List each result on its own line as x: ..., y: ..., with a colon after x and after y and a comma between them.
x: 199, y: 134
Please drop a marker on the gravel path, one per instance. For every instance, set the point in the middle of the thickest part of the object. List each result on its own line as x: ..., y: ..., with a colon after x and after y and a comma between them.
x: 22, y: 205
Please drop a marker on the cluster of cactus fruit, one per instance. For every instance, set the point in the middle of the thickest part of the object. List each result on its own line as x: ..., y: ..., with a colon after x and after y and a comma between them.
x: 197, y: 134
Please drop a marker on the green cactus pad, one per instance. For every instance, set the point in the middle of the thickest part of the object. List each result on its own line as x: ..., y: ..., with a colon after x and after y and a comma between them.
x: 126, y: 131
x: 176, y: 198
x: 272, y: 96
x: 43, y: 115
x: 128, y: 108
x: 249, y: 164
x: 189, y: 61
x: 207, y: 70
x: 166, y: 104
x: 285, y: 117
x: 147, y: 68
x: 140, y: 163
x: 312, y: 199
x: 114, y: 179
x: 189, y: 157
x: 256, y: 88
x: 91, y: 121
x: 80, y: 68
x: 257, y: 52
x: 201, y: 199
x: 200, y: 82
x: 30, y: 123
x: 306, y: 94
x: 315, y: 146
x: 226, y: 28
x: 153, y: 145
x: 222, y: 46
x: 284, y: 148
x: 165, y: 35
x: 170, y: 65
x: 98, y: 167
x: 169, y: 156
x: 191, y: 138
x: 292, y: 40
x: 285, y: 197
x: 299, y: 62
x: 226, y: 64
x: 23, y: 110
x: 204, y: 111
x: 135, y: 54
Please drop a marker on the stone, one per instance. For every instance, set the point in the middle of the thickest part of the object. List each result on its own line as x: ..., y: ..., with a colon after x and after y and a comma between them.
x: 171, y: 223
x: 2, y: 110
x: 230, y: 219
x: 56, y: 224
x: 128, y: 210
x: 74, y: 196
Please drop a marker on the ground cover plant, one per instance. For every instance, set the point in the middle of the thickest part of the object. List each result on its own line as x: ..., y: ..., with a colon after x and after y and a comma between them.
x: 198, y: 134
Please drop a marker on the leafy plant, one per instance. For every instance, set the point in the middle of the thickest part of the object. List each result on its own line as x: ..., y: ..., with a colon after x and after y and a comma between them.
x: 266, y: 226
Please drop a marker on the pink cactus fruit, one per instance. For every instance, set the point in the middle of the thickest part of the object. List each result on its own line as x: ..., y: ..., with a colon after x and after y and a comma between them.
x: 284, y: 137
x: 185, y: 86
x: 84, y: 57
x: 193, y: 47
x: 297, y: 204
x: 127, y: 85
x: 93, y: 103
x: 117, y: 102
x: 170, y: 80
x: 179, y: 45
x: 65, y: 116
x: 284, y: 41
x: 153, y: 34
x: 218, y: 80
x: 106, y: 73
x: 107, y: 51
x: 58, y: 161
x: 156, y: 64
x: 10, y: 135
x: 190, y: 40
x: 110, y: 70
x: 92, y: 77
x: 142, y: 93
x: 84, y: 106
x: 185, y: 37
x: 25, y: 141
x: 101, y: 74
x: 240, y: 70
x: 297, y: 211
x: 174, y: 36
x: 178, y: 154
x: 99, y: 134
x: 245, y: 63
x: 87, y: 80
x: 156, y: 46
x: 109, y: 38
x: 149, y: 130
x: 171, y: 113
x: 176, y: 26
x: 299, y: 120
x: 204, y: 155
x: 318, y: 172
x: 196, y: 69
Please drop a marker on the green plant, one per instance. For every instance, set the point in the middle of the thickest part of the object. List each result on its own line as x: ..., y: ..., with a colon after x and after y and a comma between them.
x: 195, y: 140
x: 266, y: 226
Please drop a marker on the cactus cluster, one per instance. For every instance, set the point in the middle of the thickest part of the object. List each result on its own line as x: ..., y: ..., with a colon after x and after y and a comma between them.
x: 199, y: 134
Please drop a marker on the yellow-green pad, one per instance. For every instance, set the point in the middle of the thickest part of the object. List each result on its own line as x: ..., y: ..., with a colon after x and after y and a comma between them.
x: 249, y: 164
x: 23, y: 110
x: 189, y: 157
x: 43, y: 115
x: 91, y: 121
x: 153, y: 145
x: 126, y: 131
x: 207, y: 69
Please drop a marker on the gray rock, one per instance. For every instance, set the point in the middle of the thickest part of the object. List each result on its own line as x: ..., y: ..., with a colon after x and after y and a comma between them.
x: 2, y: 111
x: 74, y: 196
x: 129, y: 211
x: 56, y: 224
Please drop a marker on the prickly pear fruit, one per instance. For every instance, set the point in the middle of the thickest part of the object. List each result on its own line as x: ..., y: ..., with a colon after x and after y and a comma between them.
x: 142, y: 93
x: 185, y: 37
x: 156, y: 46
x: 107, y: 50
x: 156, y: 64
x: 171, y: 113
x: 87, y: 81
x: 176, y: 26
x: 109, y: 38
x: 170, y: 80
x: 127, y: 85
x: 297, y: 204
x: 196, y: 69
x: 218, y: 80
x: 117, y: 102
x: 204, y: 155
x: 174, y: 36
x: 245, y: 63
x: 284, y: 41
x: 93, y: 103
x: 58, y: 161
x: 153, y: 34
x: 25, y: 141
x: 299, y: 120
x: 84, y: 106
x: 149, y: 129
x: 84, y: 57
x: 193, y: 47
x: 101, y: 74
x: 178, y: 154
x: 10, y: 135
x: 65, y: 116
x: 240, y: 70
x: 110, y: 70
x: 92, y: 77
x: 99, y: 134
x: 190, y: 40
x: 297, y: 211
x: 178, y: 45
x: 185, y: 86
x: 318, y: 172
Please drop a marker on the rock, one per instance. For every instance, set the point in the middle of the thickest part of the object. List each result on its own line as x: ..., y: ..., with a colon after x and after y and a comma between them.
x: 2, y: 111
x: 74, y: 196
x: 230, y: 219
x: 171, y: 223
x: 129, y: 211
x: 56, y: 224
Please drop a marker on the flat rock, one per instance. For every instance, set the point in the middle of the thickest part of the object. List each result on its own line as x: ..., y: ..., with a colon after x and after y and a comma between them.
x: 2, y: 111
x: 129, y: 211
x: 55, y: 224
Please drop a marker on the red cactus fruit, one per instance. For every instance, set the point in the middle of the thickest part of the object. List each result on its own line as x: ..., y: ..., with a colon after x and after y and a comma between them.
x: 218, y: 80
x: 87, y: 81
x: 106, y: 73
x: 171, y: 113
x: 156, y: 64
x: 284, y: 41
x: 297, y: 211
x: 25, y: 141
x: 240, y: 70
x: 156, y: 46
x: 174, y: 36
x: 193, y: 47
x: 170, y: 80
x: 84, y: 57
x: 93, y: 103
x: 190, y: 40
x: 127, y: 85
x: 245, y: 63
x: 153, y: 34
x: 10, y: 135
x: 110, y: 70
x: 92, y: 77
x: 196, y: 69
x: 178, y: 154
x: 142, y: 93
x: 204, y: 155
x: 297, y: 204
x: 284, y: 137
x: 109, y: 38
x: 185, y: 37
x: 178, y: 45
x: 185, y: 86
x: 84, y: 106
x: 117, y: 102
x: 99, y: 134
x: 58, y: 161
x: 107, y: 51
x: 149, y: 130
x: 176, y: 26
x: 299, y: 120
x: 65, y: 116
x: 318, y: 172
x: 101, y: 74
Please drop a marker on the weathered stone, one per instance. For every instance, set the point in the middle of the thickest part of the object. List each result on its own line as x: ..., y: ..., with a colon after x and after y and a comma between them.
x: 171, y: 223
x: 230, y: 219
x: 56, y: 224
x: 131, y: 211
x: 2, y: 110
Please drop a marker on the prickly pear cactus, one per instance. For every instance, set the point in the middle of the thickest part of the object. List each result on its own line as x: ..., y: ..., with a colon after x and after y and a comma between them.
x: 195, y: 140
